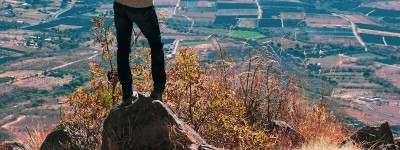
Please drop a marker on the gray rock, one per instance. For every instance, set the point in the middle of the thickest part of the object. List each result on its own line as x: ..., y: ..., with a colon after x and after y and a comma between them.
x: 148, y: 124
x: 12, y: 146
x: 59, y: 139
x: 373, y: 137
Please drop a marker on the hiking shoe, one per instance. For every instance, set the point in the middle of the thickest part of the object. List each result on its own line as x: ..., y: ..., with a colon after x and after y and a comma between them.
x: 129, y: 100
x: 156, y: 94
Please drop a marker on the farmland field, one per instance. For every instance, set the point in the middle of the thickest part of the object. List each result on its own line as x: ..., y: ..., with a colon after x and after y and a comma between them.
x: 248, y: 22
x: 281, y: 9
x: 391, y: 20
x: 66, y: 27
x: 316, y: 11
x: 378, y: 12
x: 335, y: 32
x: 326, y: 21
x: 73, y: 21
x: 226, y: 20
x: 385, y: 13
x: 270, y: 14
x: 78, y: 11
x: 388, y: 5
x: 218, y: 32
x: 345, y: 5
x: 189, y: 43
x: 44, y: 83
x: 363, y: 10
x: 371, y: 38
x: 288, y: 15
x: 391, y: 40
x: 270, y: 23
x: 285, y: 4
x: 246, y: 34
x: 390, y: 73
x: 247, y: 16
x: 294, y: 23
x: 9, y: 53
x: 367, y: 55
x: 237, y: 6
x: 361, y: 19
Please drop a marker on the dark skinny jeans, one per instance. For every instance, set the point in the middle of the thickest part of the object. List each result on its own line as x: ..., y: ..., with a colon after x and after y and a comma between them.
x: 146, y: 20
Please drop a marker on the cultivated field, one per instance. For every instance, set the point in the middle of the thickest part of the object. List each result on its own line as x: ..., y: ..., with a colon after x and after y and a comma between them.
x: 42, y: 82
x: 326, y: 22
x: 361, y: 19
x: 369, y: 118
x: 390, y: 73
x: 390, y: 5
x: 290, y: 15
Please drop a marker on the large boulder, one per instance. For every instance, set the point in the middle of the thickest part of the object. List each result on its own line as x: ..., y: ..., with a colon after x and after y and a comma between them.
x: 59, y: 139
x: 12, y: 146
x: 373, y: 137
x: 148, y: 124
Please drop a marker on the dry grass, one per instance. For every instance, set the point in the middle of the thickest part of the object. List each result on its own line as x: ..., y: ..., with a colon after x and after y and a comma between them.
x: 324, y: 143
x: 34, y: 137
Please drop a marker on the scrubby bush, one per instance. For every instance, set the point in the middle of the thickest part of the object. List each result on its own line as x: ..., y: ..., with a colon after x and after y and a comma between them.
x: 227, y: 103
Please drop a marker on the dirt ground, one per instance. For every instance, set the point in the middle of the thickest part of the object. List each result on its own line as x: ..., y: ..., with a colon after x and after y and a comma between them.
x: 378, y: 32
x: 390, y: 73
x: 350, y: 94
x: 44, y: 83
x: 247, y: 23
x: 50, y: 60
x: 18, y: 127
x: 368, y: 117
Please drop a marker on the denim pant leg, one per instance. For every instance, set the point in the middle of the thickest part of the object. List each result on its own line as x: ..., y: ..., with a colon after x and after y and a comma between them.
x: 123, y: 25
x: 150, y: 28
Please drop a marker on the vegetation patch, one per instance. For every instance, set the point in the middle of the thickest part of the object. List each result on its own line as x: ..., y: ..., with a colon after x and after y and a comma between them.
x: 6, y: 79
x: 246, y: 34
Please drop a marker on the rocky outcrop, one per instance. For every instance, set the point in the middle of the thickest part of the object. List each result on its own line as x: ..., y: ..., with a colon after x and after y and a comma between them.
x: 373, y: 137
x: 148, y: 124
x: 12, y: 146
x: 59, y: 139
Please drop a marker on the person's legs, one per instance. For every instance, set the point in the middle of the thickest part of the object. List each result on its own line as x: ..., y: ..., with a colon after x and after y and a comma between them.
x: 148, y: 24
x: 123, y: 25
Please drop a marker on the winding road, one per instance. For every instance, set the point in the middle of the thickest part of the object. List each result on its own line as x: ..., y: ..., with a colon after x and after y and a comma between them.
x: 354, y: 27
x: 191, y: 26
